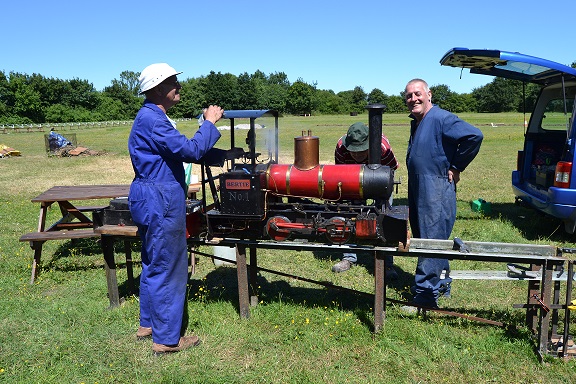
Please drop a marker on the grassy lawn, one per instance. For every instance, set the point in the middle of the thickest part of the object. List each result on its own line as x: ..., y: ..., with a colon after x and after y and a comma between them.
x: 60, y: 329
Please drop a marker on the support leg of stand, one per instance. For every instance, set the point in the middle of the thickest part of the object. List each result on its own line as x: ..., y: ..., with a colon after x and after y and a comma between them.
x: 241, y: 270
x: 253, y: 277
x: 545, y: 316
x: 567, y: 310
x: 379, y: 291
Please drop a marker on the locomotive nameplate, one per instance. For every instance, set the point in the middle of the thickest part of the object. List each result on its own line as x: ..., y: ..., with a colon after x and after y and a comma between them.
x: 241, y: 194
x: 238, y: 184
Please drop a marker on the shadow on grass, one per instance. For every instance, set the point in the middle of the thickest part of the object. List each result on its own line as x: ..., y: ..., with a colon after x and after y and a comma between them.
x: 222, y: 285
x: 86, y: 254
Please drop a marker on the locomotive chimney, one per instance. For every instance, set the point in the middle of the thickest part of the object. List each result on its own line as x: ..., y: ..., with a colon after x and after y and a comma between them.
x: 375, y: 132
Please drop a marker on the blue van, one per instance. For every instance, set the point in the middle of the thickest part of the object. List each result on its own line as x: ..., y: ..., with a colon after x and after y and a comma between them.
x: 545, y: 178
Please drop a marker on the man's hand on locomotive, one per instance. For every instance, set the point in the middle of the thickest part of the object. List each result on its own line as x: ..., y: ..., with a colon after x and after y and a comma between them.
x: 213, y: 113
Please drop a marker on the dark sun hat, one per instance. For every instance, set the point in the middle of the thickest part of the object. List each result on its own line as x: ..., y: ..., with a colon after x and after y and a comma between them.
x: 357, y: 138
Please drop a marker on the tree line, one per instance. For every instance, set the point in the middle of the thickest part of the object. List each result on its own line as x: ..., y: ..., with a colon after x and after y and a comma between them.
x: 27, y: 99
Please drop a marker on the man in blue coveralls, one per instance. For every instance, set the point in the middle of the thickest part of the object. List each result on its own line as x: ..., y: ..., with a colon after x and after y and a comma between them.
x: 440, y: 147
x: 157, y: 201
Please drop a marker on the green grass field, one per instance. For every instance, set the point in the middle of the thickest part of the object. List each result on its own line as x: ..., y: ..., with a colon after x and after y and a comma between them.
x: 60, y: 329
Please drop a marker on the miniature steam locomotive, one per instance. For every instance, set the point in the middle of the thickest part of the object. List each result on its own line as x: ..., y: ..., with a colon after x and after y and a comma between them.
x: 257, y: 198
x: 307, y: 201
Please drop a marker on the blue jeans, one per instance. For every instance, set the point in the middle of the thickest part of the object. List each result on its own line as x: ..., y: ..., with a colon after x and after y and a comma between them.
x: 429, y: 285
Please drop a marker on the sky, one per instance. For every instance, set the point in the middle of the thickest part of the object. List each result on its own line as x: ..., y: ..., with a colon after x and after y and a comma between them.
x: 336, y: 45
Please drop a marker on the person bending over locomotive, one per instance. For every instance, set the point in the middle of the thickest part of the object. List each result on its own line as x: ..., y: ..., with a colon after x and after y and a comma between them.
x: 157, y: 201
x: 440, y: 147
x: 352, y: 148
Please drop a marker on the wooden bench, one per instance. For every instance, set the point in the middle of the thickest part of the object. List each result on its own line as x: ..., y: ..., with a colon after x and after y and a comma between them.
x: 108, y: 233
x: 40, y: 237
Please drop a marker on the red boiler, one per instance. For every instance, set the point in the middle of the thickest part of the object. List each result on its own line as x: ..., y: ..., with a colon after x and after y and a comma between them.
x: 332, y: 182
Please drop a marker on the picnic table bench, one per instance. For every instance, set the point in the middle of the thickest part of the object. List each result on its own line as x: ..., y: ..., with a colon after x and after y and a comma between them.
x: 73, y: 223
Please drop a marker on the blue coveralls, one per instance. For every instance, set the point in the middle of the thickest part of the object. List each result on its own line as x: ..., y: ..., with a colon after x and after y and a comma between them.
x: 157, y: 201
x: 441, y: 141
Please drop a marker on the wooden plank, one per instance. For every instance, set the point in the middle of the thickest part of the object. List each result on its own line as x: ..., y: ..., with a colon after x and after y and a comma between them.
x: 82, y: 192
x: 59, y: 235
x: 117, y: 230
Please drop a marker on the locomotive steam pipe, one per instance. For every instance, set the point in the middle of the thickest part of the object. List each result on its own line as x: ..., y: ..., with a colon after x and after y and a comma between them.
x: 375, y: 132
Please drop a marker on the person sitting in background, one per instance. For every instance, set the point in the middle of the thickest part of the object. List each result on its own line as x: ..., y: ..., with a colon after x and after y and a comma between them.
x: 352, y: 148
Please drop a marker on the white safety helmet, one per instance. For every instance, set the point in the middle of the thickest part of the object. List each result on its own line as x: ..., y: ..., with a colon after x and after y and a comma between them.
x: 154, y: 74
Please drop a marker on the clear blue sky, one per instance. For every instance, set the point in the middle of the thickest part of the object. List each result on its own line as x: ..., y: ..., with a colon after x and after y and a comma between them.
x: 336, y: 44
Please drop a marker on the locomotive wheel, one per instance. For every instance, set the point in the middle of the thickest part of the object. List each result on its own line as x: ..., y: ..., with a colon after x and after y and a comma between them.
x: 274, y: 232
x: 336, y: 230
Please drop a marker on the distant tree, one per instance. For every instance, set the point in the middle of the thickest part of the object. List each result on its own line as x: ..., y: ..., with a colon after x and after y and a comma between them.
x: 221, y: 89
x: 52, y: 91
x: 130, y: 103
x: 346, y: 97
x: 279, y: 78
x: 248, y: 92
x: 192, y: 100
x: 110, y: 109
x: 458, y: 103
x: 358, y: 100
x: 259, y: 75
x: 129, y: 80
x: 501, y: 95
x: 5, y: 96
x: 376, y: 96
x: 300, y: 98
x: 440, y: 94
x: 274, y: 97
x: 27, y: 101
x: 528, y: 97
x: 396, y: 104
x: 330, y: 103
x: 469, y: 102
x: 60, y: 113
x: 81, y: 94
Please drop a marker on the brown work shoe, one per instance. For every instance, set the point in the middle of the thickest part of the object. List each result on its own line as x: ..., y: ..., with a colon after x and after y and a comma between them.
x: 184, y: 343
x: 143, y: 333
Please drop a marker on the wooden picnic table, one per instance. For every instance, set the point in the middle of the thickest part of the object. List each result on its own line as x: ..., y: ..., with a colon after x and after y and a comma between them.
x: 74, y: 223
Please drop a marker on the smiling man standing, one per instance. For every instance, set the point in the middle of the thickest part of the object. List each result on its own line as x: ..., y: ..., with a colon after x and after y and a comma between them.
x: 441, y: 146
x: 157, y: 201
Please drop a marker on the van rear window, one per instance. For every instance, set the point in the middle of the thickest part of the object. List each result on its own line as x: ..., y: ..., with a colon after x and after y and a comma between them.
x: 554, y: 118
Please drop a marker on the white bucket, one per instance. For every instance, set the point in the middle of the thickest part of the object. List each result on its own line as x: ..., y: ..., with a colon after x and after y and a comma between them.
x: 225, y: 253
